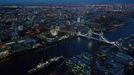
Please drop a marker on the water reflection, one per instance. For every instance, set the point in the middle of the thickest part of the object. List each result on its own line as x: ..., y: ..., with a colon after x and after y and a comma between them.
x: 78, y: 39
x: 90, y: 44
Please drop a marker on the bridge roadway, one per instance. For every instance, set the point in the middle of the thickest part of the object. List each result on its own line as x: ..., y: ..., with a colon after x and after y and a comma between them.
x: 103, y: 39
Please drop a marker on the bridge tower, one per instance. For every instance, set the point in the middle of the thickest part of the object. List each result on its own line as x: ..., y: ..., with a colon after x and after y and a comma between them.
x: 78, y: 33
x: 90, y: 33
x: 101, y: 34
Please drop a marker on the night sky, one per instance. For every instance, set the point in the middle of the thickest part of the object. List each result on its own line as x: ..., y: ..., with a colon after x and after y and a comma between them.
x: 66, y: 1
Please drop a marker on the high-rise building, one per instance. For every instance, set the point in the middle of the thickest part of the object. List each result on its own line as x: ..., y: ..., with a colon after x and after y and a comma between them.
x: 78, y: 20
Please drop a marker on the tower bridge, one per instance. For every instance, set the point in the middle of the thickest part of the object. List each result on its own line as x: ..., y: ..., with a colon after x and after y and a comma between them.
x: 101, y: 37
x: 90, y: 34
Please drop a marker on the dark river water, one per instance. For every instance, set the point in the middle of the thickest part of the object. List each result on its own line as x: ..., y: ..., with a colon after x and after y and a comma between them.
x: 20, y: 64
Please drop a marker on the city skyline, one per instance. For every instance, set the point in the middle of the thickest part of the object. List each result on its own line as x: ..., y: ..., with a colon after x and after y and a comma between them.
x: 66, y: 2
x: 66, y: 37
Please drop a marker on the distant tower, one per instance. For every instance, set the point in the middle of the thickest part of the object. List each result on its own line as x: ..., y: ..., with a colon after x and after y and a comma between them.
x: 90, y: 33
x: 60, y: 18
x: 15, y: 32
x: 82, y: 20
x: 78, y: 20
